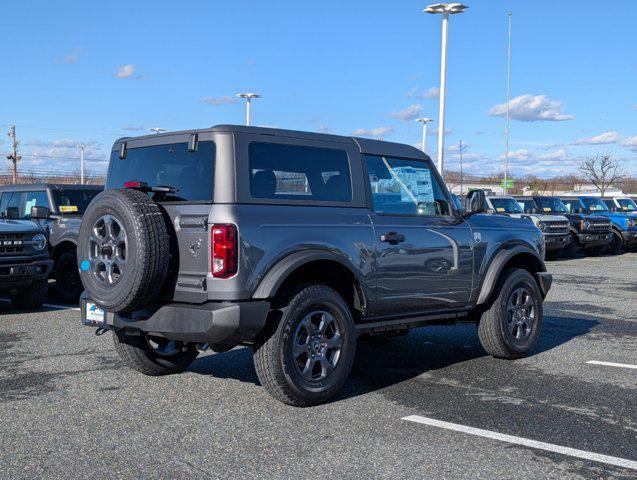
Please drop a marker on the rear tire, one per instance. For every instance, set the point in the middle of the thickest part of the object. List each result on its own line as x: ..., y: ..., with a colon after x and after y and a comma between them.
x: 307, y: 351
x: 510, y: 328
x: 31, y: 297
x: 152, y: 355
x: 68, y: 285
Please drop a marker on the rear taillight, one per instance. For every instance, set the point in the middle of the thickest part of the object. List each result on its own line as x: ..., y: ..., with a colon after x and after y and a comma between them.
x: 224, y: 250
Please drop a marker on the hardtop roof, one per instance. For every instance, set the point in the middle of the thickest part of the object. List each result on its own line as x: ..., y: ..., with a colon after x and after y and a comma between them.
x: 365, y: 145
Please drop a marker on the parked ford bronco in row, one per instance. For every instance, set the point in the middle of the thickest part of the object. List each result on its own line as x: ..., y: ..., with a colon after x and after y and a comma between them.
x: 553, y: 227
x: 624, y: 227
x: 24, y: 260
x: 65, y: 205
x: 295, y: 243
x: 589, y: 233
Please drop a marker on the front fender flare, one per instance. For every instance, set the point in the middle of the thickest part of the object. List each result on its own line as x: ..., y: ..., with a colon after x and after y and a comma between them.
x: 279, y: 272
x: 500, y: 259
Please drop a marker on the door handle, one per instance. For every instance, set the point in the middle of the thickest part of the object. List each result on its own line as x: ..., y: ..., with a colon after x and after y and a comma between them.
x: 392, y: 238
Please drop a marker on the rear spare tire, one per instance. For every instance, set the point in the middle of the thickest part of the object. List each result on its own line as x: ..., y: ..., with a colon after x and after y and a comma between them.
x: 123, y: 250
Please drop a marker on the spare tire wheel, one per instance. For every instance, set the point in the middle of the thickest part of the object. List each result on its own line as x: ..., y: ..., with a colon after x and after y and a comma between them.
x: 123, y: 250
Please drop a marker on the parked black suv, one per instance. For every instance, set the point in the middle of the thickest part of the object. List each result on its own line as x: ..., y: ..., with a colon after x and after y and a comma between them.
x: 24, y: 260
x: 66, y: 204
x: 295, y: 243
x: 590, y: 233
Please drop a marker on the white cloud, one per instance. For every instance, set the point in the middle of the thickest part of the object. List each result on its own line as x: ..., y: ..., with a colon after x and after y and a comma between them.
x: 323, y: 129
x: 433, y: 132
x: 72, y: 57
x: 430, y: 94
x: 601, y: 139
x: 455, y: 148
x: 125, y: 71
x: 530, y: 108
x: 521, y: 154
x: 374, y: 132
x: 630, y: 143
x: 410, y: 113
x: 133, y: 128
x: 217, y: 101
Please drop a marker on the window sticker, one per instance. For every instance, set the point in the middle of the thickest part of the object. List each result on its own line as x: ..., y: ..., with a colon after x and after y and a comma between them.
x: 547, y: 209
x: 68, y: 208
x: 500, y: 209
x: 416, y: 187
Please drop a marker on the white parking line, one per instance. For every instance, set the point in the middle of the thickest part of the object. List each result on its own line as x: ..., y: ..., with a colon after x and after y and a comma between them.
x: 612, y: 364
x: 595, y: 457
x: 49, y: 305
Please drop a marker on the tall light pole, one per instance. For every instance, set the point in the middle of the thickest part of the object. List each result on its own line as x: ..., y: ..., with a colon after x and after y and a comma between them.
x: 248, y: 96
x: 157, y: 130
x: 506, y: 134
x: 461, y: 174
x: 424, y: 121
x: 81, y: 148
x: 445, y: 9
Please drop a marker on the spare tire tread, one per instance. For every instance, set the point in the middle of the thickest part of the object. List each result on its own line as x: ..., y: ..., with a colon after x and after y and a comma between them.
x: 152, y: 253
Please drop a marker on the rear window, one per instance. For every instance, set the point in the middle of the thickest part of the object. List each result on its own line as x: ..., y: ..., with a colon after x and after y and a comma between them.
x: 168, y: 165
x: 71, y: 200
x: 292, y: 172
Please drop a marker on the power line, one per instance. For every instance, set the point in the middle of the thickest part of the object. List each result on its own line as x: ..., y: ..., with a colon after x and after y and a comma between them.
x: 65, y: 130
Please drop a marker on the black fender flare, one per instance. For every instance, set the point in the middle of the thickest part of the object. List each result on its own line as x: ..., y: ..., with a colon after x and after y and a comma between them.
x: 498, y: 262
x: 275, y: 277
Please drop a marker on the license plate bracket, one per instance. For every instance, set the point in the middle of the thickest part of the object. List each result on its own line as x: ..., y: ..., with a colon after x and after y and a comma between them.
x: 93, y: 315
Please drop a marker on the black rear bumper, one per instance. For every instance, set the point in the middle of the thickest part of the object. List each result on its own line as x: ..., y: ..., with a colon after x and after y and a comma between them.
x: 212, y: 322
x: 21, y: 275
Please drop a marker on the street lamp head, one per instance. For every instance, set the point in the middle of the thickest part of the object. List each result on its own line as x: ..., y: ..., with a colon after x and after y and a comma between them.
x: 425, y: 120
x: 445, y: 8
x: 248, y: 95
x: 157, y: 129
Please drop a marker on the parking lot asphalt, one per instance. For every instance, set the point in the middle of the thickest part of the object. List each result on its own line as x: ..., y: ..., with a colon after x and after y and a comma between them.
x: 69, y: 408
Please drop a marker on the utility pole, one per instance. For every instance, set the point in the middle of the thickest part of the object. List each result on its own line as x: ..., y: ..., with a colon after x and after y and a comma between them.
x: 14, y: 157
x: 506, y: 134
x: 461, y: 177
x: 81, y: 148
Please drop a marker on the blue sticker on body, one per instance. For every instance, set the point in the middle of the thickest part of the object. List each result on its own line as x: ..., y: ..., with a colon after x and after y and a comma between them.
x: 85, y: 265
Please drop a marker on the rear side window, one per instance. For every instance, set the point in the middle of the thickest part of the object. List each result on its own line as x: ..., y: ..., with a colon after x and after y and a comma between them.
x: 168, y: 165
x: 293, y: 172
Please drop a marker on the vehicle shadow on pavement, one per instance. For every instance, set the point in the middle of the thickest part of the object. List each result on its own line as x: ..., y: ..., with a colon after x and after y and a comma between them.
x: 380, y: 364
x: 383, y: 362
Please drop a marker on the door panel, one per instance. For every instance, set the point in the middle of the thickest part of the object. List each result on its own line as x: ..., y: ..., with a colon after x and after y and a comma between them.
x: 431, y: 268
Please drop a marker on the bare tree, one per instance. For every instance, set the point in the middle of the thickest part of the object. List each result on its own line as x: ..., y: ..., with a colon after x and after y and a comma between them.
x: 602, y: 171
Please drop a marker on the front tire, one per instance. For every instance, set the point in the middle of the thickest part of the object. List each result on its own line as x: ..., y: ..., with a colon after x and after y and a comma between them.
x: 31, y: 297
x: 615, y: 246
x: 68, y: 285
x: 153, y: 356
x: 305, y: 357
x: 510, y: 328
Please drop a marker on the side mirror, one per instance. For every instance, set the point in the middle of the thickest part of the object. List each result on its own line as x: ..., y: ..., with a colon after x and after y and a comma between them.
x: 475, y: 202
x: 40, y: 212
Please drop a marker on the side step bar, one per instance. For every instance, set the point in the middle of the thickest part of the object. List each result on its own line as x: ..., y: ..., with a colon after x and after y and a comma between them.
x: 372, y: 326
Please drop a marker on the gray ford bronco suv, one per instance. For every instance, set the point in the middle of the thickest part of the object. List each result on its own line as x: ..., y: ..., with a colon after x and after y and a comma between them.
x: 295, y: 243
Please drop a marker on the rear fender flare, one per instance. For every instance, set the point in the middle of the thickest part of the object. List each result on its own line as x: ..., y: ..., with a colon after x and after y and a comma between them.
x: 275, y: 277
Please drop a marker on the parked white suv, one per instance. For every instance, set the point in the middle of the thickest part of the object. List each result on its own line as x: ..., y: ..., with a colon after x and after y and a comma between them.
x: 554, y: 227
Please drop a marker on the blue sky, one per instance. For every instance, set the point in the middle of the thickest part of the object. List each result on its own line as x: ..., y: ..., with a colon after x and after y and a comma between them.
x: 90, y: 73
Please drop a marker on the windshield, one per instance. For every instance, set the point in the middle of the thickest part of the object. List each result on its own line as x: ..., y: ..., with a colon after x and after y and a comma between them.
x: 506, y: 205
x: 552, y: 205
x: 594, y: 204
x: 627, y: 204
x: 69, y: 200
x: 168, y: 165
